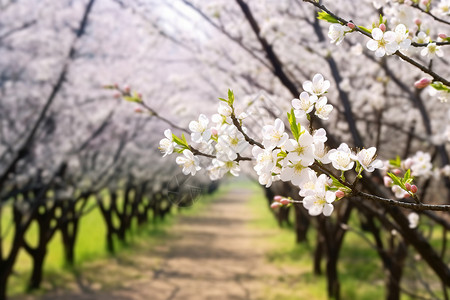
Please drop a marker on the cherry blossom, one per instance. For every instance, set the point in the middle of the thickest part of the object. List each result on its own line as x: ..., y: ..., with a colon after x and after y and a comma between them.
x: 274, y: 135
x: 366, y: 157
x: 200, y: 131
x: 320, y: 202
x: 323, y: 109
x: 167, y: 145
x: 304, y: 104
x: 341, y: 158
x: 317, y: 86
x: 189, y: 162
x: 383, y: 42
x: 337, y: 33
x: 432, y: 50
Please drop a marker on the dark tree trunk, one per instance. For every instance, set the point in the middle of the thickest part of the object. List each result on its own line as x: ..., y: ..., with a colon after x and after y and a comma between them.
x: 38, y: 264
x: 318, y: 254
x: 301, y: 224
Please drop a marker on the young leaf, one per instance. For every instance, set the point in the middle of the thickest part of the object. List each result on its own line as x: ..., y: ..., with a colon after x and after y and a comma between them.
x: 326, y: 17
x: 440, y: 86
x: 230, y: 97
x: 395, y: 162
x: 293, y: 123
x: 396, y: 180
x: 365, y: 29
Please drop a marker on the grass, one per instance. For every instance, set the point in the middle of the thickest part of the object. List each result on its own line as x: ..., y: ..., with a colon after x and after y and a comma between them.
x: 360, y: 270
x: 90, y: 245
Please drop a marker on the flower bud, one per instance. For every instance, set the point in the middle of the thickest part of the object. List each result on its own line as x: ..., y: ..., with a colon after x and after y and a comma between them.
x: 277, y: 198
x: 275, y: 205
x: 424, y: 82
x: 117, y: 95
x: 285, y: 201
x: 425, y: 2
x: 418, y: 22
x: 397, y: 171
x: 442, y: 36
x: 214, y: 132
x: 339, y: 194
x: 413, y: 189
x: 138, y: 110
x: 382, y: 27
x: 351, y: 25
x: 387, y: 181
x: 408, y: 186
x: 127, y: 89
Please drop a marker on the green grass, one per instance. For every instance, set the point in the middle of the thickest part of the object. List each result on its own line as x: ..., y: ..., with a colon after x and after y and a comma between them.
x: 360, y: 271
x: 90, y: 244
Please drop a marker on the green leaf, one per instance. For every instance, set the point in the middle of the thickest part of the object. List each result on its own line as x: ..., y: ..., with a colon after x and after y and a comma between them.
x: 295, y: 127
x: 407, y: 175
x: 132, y: 99
x: 282, y: 154
x: 322, y: 15
x: 396, y: 180
x: 440, y: 86
x: 365, y: 29
x: 230, y: 97
x: 395, y: 162
x: 381, y: 19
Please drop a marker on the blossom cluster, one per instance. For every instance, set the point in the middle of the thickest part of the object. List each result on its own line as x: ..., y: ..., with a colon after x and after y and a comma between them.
x: 294, y: 157
x: 417, y: 166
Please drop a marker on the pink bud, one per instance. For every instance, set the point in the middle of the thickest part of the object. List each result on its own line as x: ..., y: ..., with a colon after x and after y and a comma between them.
x: 425, y: 2
x: 340, y: 194
x: 126, y: 89
x: 418, y: 22
x: 285, y: 201
x: 275, y: 205
x: 138, y: 110
x: 215, y: 132
x: 117, y: 95
x: 442, y: 36
x: 397, y: 171
x: 351, y: 25
x: 387, y: 181
x: 277, y: 198
x: 407, y: 163
x: 406, y: 195
x: 413, y: 189
x: 408, y: 186
x: 424, y: 82
x: 382, y: 27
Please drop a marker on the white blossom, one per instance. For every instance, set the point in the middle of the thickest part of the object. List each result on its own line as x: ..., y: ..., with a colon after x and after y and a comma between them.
x: 337, y: 32
x: 366, y: 157
x: 323, y: 109
x: 382, y: 42
x: 200, y: 131
x: 317, y: 86
x: 401, y: 37
x: 305, y: 102
x: 320, y: 202
x: 432, y: 50
x: 189, y: 162
x: 167, y: 145
x: 341, y: 158
x: 413, y: 219
x: 274, y: 135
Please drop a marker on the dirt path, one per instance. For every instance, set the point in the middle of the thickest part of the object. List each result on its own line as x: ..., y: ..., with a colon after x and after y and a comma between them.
x: 214, y: 255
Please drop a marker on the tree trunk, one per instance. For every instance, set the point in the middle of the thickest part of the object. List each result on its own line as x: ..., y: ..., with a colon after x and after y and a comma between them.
x: 38, y: 264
